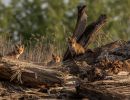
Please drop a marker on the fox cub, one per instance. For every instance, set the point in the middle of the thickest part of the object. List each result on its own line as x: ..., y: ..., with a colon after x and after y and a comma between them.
x: 55, y: 60
x: 18, y: 50
x: 75, y: 48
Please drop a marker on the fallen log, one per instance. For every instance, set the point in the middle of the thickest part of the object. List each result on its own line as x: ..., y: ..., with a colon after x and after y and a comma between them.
x: 105, y: 73
x: 28, y: 74
x: 109, y: 59
x: 106, y: 89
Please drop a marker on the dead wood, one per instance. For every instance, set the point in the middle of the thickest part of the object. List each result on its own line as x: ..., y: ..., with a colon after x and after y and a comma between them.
x: 115, y: 88
x: 104, y: 72
x: 28, y: 74
x: 106, y: 90
x: 91, y: 31
x: 110, y: 59
x: 88, y: 35
x: 81, y: 22
x: 80, y: 26
x: 93, y: 83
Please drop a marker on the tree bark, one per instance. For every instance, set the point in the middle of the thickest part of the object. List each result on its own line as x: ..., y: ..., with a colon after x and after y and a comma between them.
x: 91, y: 30
x: 109, y: 59
x: 88, y: 35
x: 28, y: 74
x: 79, y: 28
x: 81, y: 22
x: 105, y: 90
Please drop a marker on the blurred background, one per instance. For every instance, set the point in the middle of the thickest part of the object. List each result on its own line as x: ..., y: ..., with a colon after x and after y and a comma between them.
x: 44, y: 25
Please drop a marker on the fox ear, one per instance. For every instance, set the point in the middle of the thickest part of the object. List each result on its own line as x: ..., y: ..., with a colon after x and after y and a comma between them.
x: 53, y: 56
x: 69, y: 38
x: 74, y: 39
x: 22, y: 46
x: 16, y: 46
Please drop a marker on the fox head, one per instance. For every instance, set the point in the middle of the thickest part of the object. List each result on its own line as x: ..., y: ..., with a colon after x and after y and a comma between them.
x: 19, y: 49
x: 56, y: 58
x: 72, y: 41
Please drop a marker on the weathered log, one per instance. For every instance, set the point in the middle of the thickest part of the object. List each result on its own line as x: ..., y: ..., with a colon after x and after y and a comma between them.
x: 84, y: 35
x: 28, y: 74
x: 91, y: 30
x: 117, y: 50
x: 114, y: 58
x: 106, y: 77
x: 106, y: 89
x: 107, y: 60
x: 81, y: 22
x: 88, y: 35
x: 79, y: 28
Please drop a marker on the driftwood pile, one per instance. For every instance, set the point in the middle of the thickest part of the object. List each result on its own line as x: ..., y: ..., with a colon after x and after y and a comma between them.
x: 99, y: 74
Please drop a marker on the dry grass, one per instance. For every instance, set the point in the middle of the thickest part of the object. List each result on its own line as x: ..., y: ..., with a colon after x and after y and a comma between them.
x: 100, y: 39
x: 39, y: 53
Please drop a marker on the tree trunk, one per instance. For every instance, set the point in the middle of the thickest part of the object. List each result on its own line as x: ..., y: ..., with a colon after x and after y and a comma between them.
x: 79, y: 28
x: 88, y: 35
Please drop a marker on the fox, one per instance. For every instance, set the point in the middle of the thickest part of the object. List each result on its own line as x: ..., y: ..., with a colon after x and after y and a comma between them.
x: 75, y: 48
x: 15, y: 54
x: 55, y: 60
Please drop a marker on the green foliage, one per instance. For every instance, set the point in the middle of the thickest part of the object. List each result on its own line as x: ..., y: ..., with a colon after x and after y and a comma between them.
x: 118, y: 16
x: 55, y: 19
